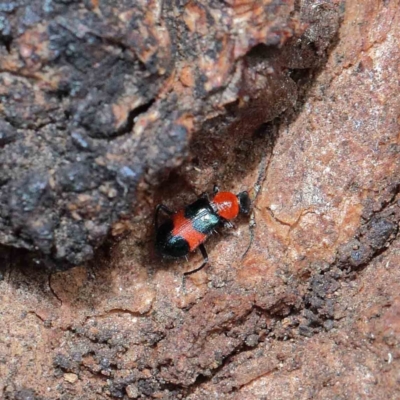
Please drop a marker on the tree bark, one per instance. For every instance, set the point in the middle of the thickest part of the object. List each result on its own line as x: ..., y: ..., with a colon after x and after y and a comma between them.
x: 109, y: 108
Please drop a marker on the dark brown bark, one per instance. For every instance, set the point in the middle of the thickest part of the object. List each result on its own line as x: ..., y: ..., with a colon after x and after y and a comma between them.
x: 100, y: 97
x: 110, y: 108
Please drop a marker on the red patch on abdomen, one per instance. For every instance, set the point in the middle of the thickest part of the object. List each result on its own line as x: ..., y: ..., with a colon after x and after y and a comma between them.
x: 227, y: 205
x: 183, y: 227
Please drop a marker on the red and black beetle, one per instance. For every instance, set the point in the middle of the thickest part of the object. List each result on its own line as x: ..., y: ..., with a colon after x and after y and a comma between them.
x: 187, y: 229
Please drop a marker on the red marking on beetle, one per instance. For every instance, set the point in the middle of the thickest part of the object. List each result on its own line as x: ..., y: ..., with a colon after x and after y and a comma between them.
x: 177, y: 236
x: 227, y: 205
x: 183, y: 227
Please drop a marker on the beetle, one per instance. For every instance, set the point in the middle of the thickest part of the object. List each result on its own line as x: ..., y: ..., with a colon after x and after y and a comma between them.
x: 187, y: 229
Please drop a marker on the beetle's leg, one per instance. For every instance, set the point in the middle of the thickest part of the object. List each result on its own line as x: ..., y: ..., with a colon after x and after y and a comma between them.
x: 215, y: 189
x: 205, y: 261
x: 227, y: 224
x: 204, y: 254
x: 205, y: 195
x: 163, y: 208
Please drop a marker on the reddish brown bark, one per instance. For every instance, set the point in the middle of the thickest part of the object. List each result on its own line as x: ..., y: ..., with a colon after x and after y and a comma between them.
x: 302, y: 301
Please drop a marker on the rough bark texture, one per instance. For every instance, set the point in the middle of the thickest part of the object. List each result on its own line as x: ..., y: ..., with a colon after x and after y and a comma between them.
x: 302, y: 300
x: 101, y: 97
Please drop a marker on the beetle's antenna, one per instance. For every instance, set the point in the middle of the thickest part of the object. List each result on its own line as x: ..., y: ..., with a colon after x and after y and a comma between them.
x: 262, y: 174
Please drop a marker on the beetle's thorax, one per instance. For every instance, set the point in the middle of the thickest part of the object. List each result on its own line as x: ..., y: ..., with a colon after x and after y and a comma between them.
x: 226, y: 205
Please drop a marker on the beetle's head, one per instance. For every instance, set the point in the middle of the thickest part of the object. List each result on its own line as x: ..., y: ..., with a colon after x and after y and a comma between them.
x: 244, y: 202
